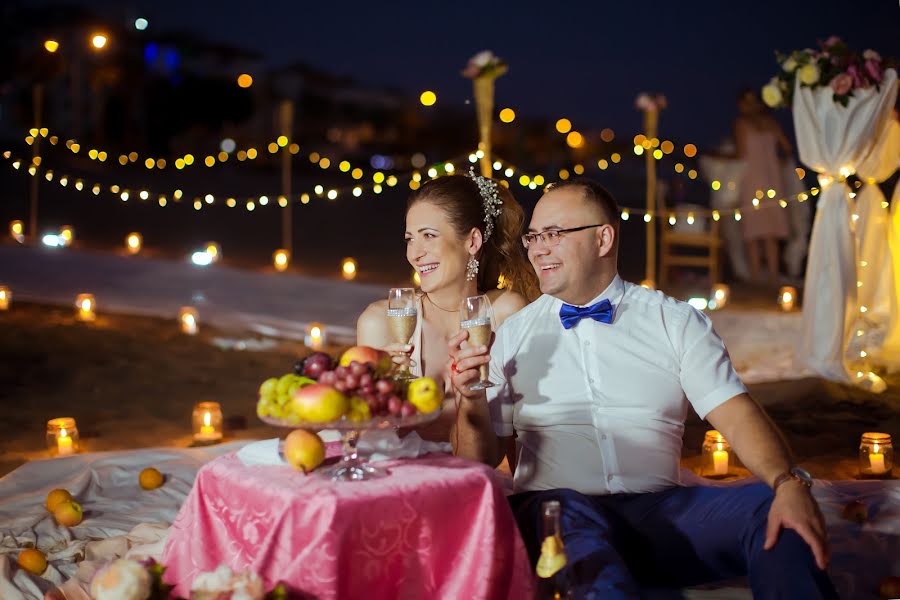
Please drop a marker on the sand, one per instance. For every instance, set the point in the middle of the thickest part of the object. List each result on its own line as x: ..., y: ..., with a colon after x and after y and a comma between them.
x: 131, y: 382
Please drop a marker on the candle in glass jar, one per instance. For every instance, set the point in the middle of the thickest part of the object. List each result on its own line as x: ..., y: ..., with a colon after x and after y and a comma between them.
x: 876, y: 461
x: 207, y: 429
x: 64, y: 443
x: 720, y: 462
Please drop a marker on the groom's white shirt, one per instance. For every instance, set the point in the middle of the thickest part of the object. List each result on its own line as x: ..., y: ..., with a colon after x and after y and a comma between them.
x: 600, y: 408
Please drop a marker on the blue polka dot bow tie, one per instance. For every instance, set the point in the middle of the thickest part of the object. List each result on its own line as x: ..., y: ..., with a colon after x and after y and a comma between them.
x: 601, y: 311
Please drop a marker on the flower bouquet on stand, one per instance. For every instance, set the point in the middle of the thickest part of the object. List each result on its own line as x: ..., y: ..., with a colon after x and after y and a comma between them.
x: 834, y: 64
x: 841, y: 100
x: 483, y: 69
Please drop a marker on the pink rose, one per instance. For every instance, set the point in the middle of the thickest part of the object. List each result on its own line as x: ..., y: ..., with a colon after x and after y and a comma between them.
x: 832, y: 41
x: 842, y: 84
x: 661, y: 102
x: 855, y: 75
x: 873, y: 70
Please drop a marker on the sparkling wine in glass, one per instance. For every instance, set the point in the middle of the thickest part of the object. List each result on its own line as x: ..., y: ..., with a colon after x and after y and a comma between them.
x: 402, y: 315
x: 475, y: 316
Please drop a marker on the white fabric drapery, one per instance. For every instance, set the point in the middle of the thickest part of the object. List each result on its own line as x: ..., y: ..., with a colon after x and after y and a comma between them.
x: 889, y: 354
x: 833, y: 140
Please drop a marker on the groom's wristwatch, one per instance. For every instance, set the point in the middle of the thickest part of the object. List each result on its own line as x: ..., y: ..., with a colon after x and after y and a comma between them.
x: 797, y: 474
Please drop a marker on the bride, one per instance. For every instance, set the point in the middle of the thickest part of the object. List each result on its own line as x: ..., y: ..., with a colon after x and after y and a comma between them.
x: 463, y: 236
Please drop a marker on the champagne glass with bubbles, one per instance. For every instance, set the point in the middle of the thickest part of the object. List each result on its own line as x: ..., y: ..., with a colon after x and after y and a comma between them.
x: 402, y: 315
x: 475, y: 316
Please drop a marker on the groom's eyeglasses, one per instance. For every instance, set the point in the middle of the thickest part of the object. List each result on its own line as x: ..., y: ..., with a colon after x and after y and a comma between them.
x: 551, y: 237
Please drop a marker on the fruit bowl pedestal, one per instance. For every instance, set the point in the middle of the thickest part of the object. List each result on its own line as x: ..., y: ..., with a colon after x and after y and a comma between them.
x: 352, y: 467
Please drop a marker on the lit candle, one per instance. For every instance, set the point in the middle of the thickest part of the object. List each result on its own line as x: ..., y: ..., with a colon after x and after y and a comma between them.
x: 85, y: 305
x: 64, y: 443
x: 719, y: 296
x: 649, y: 284
x: 876, y: 461
x: 133, y: 242
x: 5, y: 297
x: 720, y: 461
x: 787, y: 297
x: 281, y: 259
x: 207, y: 430
x: 188, y: 318
x: 348, y: 269
x: 17, y: 231
x: 67, y: 233
x: 315, y: 339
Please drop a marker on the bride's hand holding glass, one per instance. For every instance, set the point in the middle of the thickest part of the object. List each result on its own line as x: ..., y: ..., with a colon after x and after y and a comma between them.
x: 402, y: 314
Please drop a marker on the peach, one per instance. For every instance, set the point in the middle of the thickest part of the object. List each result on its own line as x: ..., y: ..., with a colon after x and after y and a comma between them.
x: 379, y: 359
x: 56, y: 496
x: 319, y: 403
x: 304, y: 450
x: 33, y: 561
x: 68, y: 513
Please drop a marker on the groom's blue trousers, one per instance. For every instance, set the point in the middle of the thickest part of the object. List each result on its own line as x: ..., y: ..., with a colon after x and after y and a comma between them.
x: 623, y: 545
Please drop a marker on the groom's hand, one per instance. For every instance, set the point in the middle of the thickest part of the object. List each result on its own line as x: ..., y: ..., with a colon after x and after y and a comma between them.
x: 464, y: 363
x: 795, y: 508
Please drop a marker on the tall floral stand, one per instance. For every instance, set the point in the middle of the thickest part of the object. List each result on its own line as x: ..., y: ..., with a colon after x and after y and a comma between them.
x: 833, y: 140
x: 483, y: 87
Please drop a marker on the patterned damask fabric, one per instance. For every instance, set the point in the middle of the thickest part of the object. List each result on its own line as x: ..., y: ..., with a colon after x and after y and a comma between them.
x: 436, y: 527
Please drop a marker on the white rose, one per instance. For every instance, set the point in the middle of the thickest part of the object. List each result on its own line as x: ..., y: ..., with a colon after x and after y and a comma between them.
x: 122, y: 579
x: 482, y: 58
x: 789, y: 65
x: 871, y: 55
x: 771, y: 94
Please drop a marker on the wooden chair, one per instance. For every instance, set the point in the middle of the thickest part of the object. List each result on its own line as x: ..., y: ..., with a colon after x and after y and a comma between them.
x: 705, y: 246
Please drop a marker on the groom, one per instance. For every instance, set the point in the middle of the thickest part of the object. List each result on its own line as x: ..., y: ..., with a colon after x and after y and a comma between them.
x: 594, y: 378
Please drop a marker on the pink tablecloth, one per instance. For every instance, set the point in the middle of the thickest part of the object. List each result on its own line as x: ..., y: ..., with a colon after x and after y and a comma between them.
x: 437, y: 527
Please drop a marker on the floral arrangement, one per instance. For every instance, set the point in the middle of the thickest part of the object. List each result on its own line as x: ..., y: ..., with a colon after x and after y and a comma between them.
x: 650, y: 102
x: 834, y: 64
x: 125, y: 579
x: 485, y: 64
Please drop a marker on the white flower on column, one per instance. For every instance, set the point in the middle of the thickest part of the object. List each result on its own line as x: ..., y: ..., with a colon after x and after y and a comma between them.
x: 482, y: 59
x: 771, y: 93
x: 808, y: 74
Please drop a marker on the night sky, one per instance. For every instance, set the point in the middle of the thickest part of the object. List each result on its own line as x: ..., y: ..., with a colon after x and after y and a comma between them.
x: 582, y: 60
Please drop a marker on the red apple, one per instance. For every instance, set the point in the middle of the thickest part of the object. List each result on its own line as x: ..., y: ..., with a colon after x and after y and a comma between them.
x: 378, y: 359
x: 889, y: 587
x: 855, y: 511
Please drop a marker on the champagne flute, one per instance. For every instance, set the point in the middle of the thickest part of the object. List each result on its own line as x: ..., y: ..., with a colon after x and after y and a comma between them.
x: 402, y: 316
x: 475, y: 316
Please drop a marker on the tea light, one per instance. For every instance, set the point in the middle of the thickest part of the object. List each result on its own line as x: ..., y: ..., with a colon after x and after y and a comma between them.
x: 648, y: 284
x: 716, y: 455
x: 17, y: 231
x: 719, y: 296
x: 876, y: 455
x: 348, y: 269
x: 787, y: 298
x: 133, y: 242
x: 5, y: 297
x: 188, y: 318
x: 207, y: 422
x: 67, y: 235
x: 84, y: 306
x: 281, y: 259
x: 315, y: 336
x: 416, y: 279
x: 62, y: 436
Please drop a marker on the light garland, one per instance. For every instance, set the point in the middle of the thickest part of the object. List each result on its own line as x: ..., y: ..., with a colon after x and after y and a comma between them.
x: 125, y: 194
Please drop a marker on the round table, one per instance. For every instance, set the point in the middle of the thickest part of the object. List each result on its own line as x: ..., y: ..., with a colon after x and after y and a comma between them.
x: 437, y: 526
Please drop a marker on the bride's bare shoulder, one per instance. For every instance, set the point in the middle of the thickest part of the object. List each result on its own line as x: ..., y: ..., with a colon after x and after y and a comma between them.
x: 506, y: 303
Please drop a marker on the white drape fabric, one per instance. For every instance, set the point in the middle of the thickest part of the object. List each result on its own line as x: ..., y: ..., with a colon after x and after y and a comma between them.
x: 833, y: 140
x: 889, y: 353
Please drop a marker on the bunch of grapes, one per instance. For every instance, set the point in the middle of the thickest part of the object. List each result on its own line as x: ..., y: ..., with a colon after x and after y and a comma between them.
x: 275, y: 394
x: 383, y: 396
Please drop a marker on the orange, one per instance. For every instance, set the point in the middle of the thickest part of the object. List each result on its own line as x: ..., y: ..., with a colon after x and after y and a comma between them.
x: 33, y: 561
x: 56, y: 496
x: 151, y: 478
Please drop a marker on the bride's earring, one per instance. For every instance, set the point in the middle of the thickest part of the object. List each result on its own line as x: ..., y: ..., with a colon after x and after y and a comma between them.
x: 471, y: 268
